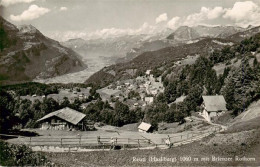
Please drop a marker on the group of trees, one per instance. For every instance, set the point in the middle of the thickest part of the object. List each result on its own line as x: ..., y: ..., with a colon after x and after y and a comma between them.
x: 7, y: 116
x: 31, y: 88
x: 239, y: 85
x: 117, y: 116
x: 20, y: 155
x: 23, y: 113
x: 242, y: 86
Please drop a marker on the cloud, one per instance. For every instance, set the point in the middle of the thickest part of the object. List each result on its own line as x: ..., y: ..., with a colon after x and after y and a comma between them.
x: 241, y: 14
x: 161, y: 18
x: 63, y: 8
x: 174, y: 23
x: 12, y: 2
x: 204, y: 14
x: 215, y: 12
x: 145, y: 28
x: 242, y: 10
x: 31, y: 13
x: 244, y: 13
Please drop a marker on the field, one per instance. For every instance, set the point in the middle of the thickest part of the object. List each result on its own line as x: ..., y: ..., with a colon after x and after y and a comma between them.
x: 124, y: 135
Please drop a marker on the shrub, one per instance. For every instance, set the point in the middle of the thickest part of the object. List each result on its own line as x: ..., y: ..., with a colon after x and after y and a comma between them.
x: 20, y: 155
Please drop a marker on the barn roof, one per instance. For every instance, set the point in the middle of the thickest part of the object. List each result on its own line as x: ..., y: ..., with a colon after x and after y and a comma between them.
x: 66, y: 114
x: 179, y: 99
x: 215, y: 103
x: 144, y: 126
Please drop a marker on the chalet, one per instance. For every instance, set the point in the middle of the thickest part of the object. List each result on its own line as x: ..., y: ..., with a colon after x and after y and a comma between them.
x: 148, y: 100
x: 213, y: 106
x: 63, y: 119
x: 148, y: 72
x: 180, y: 99
x: 144, y: 127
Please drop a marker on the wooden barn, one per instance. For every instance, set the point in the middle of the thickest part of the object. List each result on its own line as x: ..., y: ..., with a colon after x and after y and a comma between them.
x: 213, y: 106
x: 63, y: 119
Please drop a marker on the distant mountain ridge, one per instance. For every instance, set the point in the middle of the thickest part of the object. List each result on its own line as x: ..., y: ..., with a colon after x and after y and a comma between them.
x: 167, y: 55
x: 27, y: 54
x: 189, y: 33
x: 152, y: 59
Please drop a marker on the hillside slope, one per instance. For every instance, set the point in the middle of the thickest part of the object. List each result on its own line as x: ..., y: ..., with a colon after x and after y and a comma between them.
x: 150, y: 60
x: 27, y: 54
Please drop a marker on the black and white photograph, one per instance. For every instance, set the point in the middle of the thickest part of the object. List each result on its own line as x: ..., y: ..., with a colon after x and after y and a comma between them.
x: 97, y: 83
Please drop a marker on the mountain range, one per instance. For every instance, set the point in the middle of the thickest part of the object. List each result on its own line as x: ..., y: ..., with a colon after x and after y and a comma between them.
x: 192, y: 44
x: 125, y: 48
x: 26, y: 54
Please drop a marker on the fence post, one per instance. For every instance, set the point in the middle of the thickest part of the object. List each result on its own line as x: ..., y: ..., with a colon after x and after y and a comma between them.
x: 116, y: 140
x: 30, y: 140
x: 80, y: 141
x: 138, y: 144
x: 61, y: 141
x: 98, y: 139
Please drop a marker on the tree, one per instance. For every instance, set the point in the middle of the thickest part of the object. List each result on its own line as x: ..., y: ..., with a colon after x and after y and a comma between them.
x: 121, y: 113
x: 6, y: 112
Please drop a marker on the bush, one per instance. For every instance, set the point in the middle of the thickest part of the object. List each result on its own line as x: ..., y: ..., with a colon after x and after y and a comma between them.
x: 20, y: 155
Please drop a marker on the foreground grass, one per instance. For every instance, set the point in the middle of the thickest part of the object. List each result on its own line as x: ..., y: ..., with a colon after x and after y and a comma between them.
x: 200, y: 150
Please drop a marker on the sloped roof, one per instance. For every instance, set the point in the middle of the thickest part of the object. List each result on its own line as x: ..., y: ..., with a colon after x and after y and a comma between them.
x: 144, y: 126
x: 180, y: 99
x: 215, y: 103
x: 66, y: 114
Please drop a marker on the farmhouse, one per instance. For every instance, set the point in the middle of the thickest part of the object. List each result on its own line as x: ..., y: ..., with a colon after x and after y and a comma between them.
x: 63, y: 119
x: 179, y: 99
x: 213, y: 106
x: 148, y: 100
x: 144, y: 127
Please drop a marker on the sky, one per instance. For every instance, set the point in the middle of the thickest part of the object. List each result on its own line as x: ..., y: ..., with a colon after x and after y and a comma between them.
x: 88, y: 19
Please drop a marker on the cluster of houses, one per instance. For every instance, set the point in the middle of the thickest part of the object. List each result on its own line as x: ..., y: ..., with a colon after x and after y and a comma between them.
x: 146, y: 87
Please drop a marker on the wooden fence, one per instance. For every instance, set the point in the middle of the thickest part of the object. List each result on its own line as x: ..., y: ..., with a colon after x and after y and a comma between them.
x: 80, y: 141
x: 183, y: 137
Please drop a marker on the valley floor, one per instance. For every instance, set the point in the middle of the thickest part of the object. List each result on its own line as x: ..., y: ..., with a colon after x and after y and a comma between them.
x: 94, y: 64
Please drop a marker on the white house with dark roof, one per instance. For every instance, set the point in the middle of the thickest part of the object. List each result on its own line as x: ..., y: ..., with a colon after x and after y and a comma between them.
x: 63, y: 119
x: 213, y: 106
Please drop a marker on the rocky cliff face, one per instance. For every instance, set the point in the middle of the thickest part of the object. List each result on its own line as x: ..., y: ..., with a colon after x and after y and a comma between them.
x: 26, y: 54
